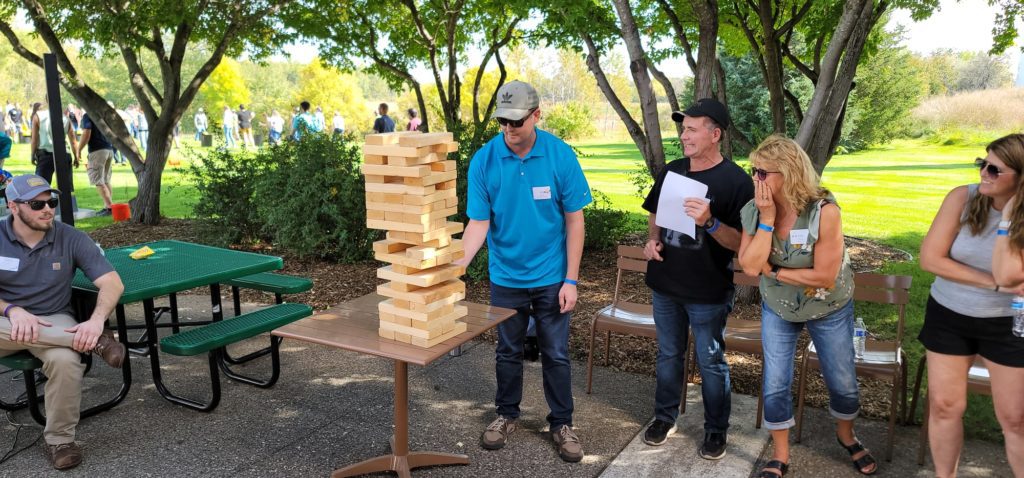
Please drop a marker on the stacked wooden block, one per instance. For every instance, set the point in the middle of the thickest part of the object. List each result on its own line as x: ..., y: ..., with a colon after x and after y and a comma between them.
x: 410, y: 193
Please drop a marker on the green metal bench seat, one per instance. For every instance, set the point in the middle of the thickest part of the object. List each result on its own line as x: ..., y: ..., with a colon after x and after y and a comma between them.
x: 212, y: 338
x: 278, y: 284
x: 27, y: 364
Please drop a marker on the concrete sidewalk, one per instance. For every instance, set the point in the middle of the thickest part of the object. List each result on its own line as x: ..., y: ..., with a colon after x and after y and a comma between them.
x: 333, y: 408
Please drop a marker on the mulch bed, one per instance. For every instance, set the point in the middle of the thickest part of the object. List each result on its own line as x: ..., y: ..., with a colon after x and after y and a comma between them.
x: 335, y: 283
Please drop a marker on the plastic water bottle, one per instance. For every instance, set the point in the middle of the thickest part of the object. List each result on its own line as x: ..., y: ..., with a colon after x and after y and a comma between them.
x: 1018, y: 315
x: 860, y: 334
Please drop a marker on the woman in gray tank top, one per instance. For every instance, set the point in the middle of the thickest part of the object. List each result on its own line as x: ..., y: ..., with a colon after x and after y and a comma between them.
x: 968, y: 312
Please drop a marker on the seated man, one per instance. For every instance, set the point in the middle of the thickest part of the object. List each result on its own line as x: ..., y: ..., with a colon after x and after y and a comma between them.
x: 38, y: 258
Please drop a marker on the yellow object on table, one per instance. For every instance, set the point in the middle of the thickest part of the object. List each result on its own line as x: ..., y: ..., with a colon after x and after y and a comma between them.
x: 142, y: 253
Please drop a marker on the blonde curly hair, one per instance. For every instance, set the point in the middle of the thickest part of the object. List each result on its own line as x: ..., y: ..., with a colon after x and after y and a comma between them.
x: 801, y: 184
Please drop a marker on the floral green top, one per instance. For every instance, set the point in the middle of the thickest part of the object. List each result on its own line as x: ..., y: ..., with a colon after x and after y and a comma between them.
x: 797, y: 303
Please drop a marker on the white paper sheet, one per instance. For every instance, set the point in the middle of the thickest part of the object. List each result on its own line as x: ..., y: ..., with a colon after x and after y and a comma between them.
x: 671, y: 213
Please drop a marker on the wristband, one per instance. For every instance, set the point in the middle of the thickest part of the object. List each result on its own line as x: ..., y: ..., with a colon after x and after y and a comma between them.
x: 715, y: 223
x: 1002, y: 232
x: 7, y: 310
x: 764, y: 227
x: 1004, y: 224
x: 569, y: 281
x: 997, y: 288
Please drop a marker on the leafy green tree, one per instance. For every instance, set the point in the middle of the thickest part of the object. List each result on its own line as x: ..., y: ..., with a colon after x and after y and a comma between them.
x: 158, y: 32
x: 333, y: 91
x: 225, y: 87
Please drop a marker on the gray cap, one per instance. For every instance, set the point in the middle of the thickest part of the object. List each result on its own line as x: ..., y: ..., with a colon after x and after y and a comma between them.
x: 26, y: 187
x: 515, y: 100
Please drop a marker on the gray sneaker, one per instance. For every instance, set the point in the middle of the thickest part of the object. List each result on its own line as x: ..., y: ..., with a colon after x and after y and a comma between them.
x: 569, y: 447
x: 497, y: 433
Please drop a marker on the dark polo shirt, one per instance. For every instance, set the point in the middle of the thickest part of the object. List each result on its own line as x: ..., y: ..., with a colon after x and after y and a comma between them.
x: 39, y: 279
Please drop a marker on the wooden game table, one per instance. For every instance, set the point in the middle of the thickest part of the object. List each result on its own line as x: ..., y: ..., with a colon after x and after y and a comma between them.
x: 353, y: 326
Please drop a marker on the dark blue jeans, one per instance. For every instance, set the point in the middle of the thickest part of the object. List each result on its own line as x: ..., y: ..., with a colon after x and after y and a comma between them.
x: 553, y: 338
x: 672, y: 321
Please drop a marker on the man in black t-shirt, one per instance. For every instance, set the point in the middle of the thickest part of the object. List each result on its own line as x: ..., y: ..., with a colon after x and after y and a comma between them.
x: 691, y: 278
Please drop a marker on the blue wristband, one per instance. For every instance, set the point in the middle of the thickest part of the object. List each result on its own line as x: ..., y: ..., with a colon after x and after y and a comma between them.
x: 569, y: 281
x: 1003, y: 232
x: 714, y: 225
x: 765, y: 227
x: 7, y: 310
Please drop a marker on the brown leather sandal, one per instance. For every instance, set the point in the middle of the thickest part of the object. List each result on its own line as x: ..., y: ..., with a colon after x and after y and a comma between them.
x: 863, y: 462
x: 778, y: 465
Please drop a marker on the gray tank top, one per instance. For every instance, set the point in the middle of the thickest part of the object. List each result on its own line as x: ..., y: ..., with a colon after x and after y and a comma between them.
x: 974, y: 251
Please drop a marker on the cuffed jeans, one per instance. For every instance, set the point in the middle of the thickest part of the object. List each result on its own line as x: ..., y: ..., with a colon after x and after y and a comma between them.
x: 553, y: 339
x: 673, y: 320
x: 833, y: 340
x: 64, y: 370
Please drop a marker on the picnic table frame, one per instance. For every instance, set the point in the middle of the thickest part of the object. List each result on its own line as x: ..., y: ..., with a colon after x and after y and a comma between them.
x: 176, y: 266
x: 353, y: 326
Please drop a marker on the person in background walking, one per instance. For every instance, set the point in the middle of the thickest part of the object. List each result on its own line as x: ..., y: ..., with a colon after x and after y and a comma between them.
x: 383, y: 123
x: 229, y: 119
x: 974, y: 249
x: 338, y: 123
x: 201, y: 122
x: 414, y: 120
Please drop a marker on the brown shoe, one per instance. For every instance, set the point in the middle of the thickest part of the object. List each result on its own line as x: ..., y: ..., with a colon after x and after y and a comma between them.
x: 569, y: 446
x: 497, y: 433
x: 64, y: 456
x: 111, y: 351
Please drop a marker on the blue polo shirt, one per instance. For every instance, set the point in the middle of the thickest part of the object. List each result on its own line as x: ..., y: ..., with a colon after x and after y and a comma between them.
x: 525, y: 200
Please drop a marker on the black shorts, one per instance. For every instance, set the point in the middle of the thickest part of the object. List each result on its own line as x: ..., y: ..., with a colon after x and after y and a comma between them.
x: 950, y: 333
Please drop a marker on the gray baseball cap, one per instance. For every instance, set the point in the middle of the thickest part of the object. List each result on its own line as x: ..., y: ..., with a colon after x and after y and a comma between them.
x: 515, y: 100
x: 26, y: 187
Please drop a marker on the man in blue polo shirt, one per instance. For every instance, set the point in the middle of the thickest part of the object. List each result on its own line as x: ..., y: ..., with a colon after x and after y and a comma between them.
x: 526, y: 197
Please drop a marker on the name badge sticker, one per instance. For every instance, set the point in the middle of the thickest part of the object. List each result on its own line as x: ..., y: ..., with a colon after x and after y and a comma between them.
x: 9, y: 264
x: 798, y: 237
x: 541, y: 192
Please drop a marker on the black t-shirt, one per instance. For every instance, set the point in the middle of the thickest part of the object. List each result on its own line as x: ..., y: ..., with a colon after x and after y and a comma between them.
x: 699, y: 270
x: 245, y: 119
x: 96, y: 139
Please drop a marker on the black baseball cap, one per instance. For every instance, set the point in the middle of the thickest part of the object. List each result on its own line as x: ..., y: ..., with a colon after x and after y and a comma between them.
x: 709, y: 107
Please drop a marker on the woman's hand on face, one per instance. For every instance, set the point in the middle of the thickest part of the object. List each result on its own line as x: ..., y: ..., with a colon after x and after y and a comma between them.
x: 764, y: 202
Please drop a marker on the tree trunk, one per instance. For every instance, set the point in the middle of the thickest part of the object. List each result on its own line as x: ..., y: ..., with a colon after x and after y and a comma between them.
x: 839, y: 66
x: 773, y: 66
x: 642, y: 79
x: 707, y: 21
x: 146, y: 205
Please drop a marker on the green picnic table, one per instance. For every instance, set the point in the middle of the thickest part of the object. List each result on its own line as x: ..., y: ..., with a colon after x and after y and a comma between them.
x: 174, y: 267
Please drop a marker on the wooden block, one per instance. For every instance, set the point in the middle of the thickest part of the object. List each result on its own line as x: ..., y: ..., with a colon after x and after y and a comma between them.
x: 403, y: 287
x: 400, y: 269
x: 375, y: 215
x: 432, y: 178
x: 425, y: 139
x: 451, y: 202
x: 428, y: 329
x: 401, y: 227
x: 399, y: 188
x: 447, y: 147
x: 445, y: 185
x: 426, y: 159
x: 418, y: 316
x: 425, y: 252
x: 403, y: 171
x: 412, y: 208
x: 385, y: 246
x: 424, y: 278
x: 426, y: 295
x: 441, y: 236
x: 374, y: 159
x: 451, y: 299
x: 401, y: 303
x: 420, y: 264
x: 460, y: 327
x: 403, y: 338
x: 432, y: 198
x: 387, y: 334
x: 385, y: 138
x: 443, y: 166
x: 391, y: 150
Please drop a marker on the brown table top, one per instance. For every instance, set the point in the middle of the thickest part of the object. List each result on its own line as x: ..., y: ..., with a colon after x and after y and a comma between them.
x: 353, y: 326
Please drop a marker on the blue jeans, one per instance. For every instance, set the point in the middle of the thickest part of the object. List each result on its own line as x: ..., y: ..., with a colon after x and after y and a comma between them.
x: 553, y: 338
x: 274, y: 137
x: 229, y: 137
x: 833, y: 340
x: 199, y: 133
x: 672, y: 321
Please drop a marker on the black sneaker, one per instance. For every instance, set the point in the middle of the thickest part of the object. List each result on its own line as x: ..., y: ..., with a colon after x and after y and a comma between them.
x: 713, y: 447
x: 531, y: 350
x: 103, y: 212
x: 658, y: 432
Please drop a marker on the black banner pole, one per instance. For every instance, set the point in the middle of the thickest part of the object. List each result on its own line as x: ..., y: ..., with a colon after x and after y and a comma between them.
x: 61, y: 163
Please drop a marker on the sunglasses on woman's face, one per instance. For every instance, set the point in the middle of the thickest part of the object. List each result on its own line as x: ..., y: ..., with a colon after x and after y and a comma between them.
x: 39, y: 205
x: 988, y: 168
x: 761, y: 174
x: 515, y: 123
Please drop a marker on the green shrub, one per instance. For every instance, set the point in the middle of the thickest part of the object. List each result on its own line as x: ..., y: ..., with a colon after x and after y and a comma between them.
x: 313, y: 202
x: 604, y: 225
x: 570, y: 120
x: 225, y: 181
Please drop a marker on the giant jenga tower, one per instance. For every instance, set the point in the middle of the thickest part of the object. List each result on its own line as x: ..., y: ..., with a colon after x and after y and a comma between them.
x: 410, y: 193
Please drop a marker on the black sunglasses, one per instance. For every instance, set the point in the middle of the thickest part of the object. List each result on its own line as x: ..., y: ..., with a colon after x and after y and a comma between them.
x: 39, y: 205
x: 761, y: 174
x: 990, y: 169
x: 515, y: 123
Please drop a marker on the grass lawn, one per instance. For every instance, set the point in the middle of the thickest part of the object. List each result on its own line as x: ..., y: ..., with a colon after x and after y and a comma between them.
x: 888, y: 194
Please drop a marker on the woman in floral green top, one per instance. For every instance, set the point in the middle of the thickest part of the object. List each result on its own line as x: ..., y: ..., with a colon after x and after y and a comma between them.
x: 793, y: 239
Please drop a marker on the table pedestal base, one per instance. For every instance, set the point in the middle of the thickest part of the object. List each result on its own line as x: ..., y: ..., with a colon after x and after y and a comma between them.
x: 400, y: 460
x: 400, y: 464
